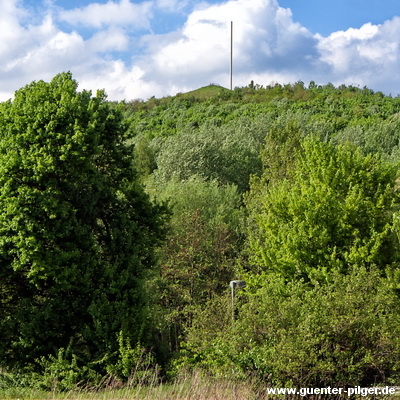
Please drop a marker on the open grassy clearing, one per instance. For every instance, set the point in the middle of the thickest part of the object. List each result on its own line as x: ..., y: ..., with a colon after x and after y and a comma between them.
x: 205, y: 92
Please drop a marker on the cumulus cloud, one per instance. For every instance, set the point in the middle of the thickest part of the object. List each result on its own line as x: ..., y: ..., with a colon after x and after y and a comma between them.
x: 110, y: 40
x: 367, y: 56
x: 111, y: 51
x: 29, y: 52
x: 172, y: 5
x: 120, y: 13
x: 32, y: 52
x: 270, y: 47
x: 267, y: 45
x: 11, y: 30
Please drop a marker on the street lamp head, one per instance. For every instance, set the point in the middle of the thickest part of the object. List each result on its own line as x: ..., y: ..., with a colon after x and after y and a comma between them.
x: 237, y: 284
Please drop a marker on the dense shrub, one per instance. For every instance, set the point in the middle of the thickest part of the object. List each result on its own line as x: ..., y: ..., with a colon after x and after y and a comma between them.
x: 345, y: 332
x: 334, y: 209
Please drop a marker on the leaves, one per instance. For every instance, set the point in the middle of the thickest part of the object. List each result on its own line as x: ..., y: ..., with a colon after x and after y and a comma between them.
x: 77, y: 232
x: 293, y: 334
x: 333, y: 211
x: 81, y: 254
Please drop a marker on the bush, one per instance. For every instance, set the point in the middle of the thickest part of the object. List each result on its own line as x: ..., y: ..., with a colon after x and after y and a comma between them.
x: 334, y: 210
x: 228, y: 154
x: 344, y: 332
x: 61, y: 373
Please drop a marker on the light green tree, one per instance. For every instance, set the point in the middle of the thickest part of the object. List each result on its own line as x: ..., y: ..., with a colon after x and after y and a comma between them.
x: 332, y: 211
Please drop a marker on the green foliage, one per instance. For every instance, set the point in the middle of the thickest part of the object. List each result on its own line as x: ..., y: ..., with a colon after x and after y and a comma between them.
x: 206, y: 92
x: 337, y: 334
x: 144, y: 157
x: 76, y: 230
x: 333, y: 211
x: 380, y: 138
x: 198, y: 258
x: 134, y: 364
x: 229, y: 154
x: 290, y: 333
x: 82, y: 267
x: 61, y: 373
x: 314, y: 208
x: 339, y: 107
x: 279, y: 152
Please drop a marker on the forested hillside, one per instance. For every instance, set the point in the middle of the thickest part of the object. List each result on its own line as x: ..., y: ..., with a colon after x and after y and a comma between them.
x: 122, y: 226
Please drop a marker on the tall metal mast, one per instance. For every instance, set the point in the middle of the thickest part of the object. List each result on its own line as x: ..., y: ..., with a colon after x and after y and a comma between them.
x: 231, y: 53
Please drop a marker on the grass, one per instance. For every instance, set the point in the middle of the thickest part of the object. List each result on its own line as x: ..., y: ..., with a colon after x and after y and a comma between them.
x: 205, y: 92
x: 190, y: 387
x: 194, y: 386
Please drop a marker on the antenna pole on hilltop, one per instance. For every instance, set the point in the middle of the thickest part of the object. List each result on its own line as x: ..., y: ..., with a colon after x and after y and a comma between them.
x: 231, y: 52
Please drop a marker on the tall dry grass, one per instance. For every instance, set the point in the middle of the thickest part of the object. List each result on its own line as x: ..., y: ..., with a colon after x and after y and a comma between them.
x: 194, y: 386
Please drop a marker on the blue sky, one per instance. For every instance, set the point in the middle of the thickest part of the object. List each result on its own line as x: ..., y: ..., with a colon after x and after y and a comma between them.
x: 327, y: 16
x: 140, y: 48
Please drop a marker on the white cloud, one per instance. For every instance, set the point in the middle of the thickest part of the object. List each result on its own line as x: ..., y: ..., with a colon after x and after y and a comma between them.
x: 340, y: 49
x: 112, y: 39
x: 268, y: 47
x: 265, y: 39
x: 172, y: 5
x: 367, y: 56
x: 33, y: 52
x: 11, y: 32
x: 119, y: 81
x: 97, y: 15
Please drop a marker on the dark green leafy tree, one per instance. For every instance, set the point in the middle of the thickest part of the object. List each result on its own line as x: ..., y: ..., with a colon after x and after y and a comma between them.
x: 76, y: 231
x: 198, y: 259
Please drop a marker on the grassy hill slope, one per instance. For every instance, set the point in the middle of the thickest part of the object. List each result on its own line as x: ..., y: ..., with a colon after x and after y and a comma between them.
x: 205, y: 92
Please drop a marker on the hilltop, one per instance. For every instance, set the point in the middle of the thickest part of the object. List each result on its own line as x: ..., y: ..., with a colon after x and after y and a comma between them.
x: 205, y: 92
x: 214, y: 104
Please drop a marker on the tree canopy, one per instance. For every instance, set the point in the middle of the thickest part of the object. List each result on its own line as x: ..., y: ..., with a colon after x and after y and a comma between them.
x: 333, y: 210
x: 293, y: 189
x: 76, y: 230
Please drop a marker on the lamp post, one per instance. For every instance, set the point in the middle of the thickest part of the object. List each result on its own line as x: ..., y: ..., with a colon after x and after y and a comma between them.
x: 233, y: 285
